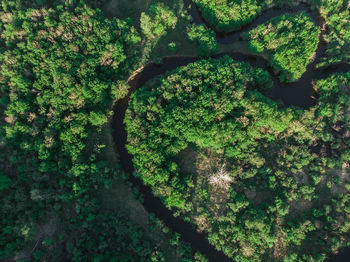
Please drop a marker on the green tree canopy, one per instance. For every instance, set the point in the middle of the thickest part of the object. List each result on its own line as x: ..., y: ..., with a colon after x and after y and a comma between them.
x: 288, y: 40
x: 227, y: 15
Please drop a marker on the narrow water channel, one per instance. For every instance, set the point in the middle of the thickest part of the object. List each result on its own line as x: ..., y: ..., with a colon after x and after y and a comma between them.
x: 298, y: 94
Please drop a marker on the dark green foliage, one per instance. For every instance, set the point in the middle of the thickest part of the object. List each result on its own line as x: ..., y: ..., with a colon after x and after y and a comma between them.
x: 254, y: 185
x: 265, y: 183
x: 289, y: 40
x: 5, y: 182
x: 109, y: 237
x: 17, y: 212
x: 60, y: 71
x: 204, y: 38
x: 228, y: 15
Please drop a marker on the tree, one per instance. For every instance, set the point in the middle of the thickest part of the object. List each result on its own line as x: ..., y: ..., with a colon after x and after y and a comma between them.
x: 204, y: 38
x: 155, y: 23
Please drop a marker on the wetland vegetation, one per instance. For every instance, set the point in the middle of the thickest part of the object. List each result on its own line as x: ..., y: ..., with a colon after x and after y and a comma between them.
x: 174, y: 130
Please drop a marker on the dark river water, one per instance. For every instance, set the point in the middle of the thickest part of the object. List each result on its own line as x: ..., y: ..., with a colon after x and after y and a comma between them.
x: 298, y: 94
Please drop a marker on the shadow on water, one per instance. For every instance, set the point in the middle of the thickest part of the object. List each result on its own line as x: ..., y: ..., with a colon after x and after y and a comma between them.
x: 297, y: 94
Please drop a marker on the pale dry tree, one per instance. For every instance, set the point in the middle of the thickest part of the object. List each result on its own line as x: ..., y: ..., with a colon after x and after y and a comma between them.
x: 221, y: 179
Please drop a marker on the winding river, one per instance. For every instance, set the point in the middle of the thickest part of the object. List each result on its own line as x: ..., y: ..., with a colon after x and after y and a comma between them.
x: 299, y: 94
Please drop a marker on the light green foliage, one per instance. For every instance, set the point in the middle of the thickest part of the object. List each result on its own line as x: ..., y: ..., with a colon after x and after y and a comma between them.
x: 289, y: 40
x: 119, y: 89
x: 266, y: 183
x: 204, y: 38
x: 172, y: 46
x: 228, y: 15
x: 97, y: 119
x: 337, y: 16
x: 198, y: 257
x: 334, y: 101
x: 200, y: 129
x: 157, y: 21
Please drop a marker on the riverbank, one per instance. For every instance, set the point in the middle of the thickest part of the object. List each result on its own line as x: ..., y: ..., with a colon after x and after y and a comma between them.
x: 299, y: 94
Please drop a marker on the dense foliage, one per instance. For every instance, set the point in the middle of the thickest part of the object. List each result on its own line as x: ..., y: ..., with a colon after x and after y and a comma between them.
x: 226, y: 158
x: 337, y: 16
x: 157, y: 20
x: 332, y: 110
x: 264, y: 183
x: 289, y: 40
x: 163, y: 125
x: 111, y: 237
x: 55, y: 81
x: 61, y: 68
x: 227, y: 15
x: 204, y: 38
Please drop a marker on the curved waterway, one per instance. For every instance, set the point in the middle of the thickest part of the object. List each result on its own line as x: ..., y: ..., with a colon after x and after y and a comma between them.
x: 266, y: 15
x: 298, y: 94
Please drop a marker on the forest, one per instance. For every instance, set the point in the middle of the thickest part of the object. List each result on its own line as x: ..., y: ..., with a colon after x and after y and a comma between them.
x: 87, y: 87
x: 61, y: 70
x: 200, y: 142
